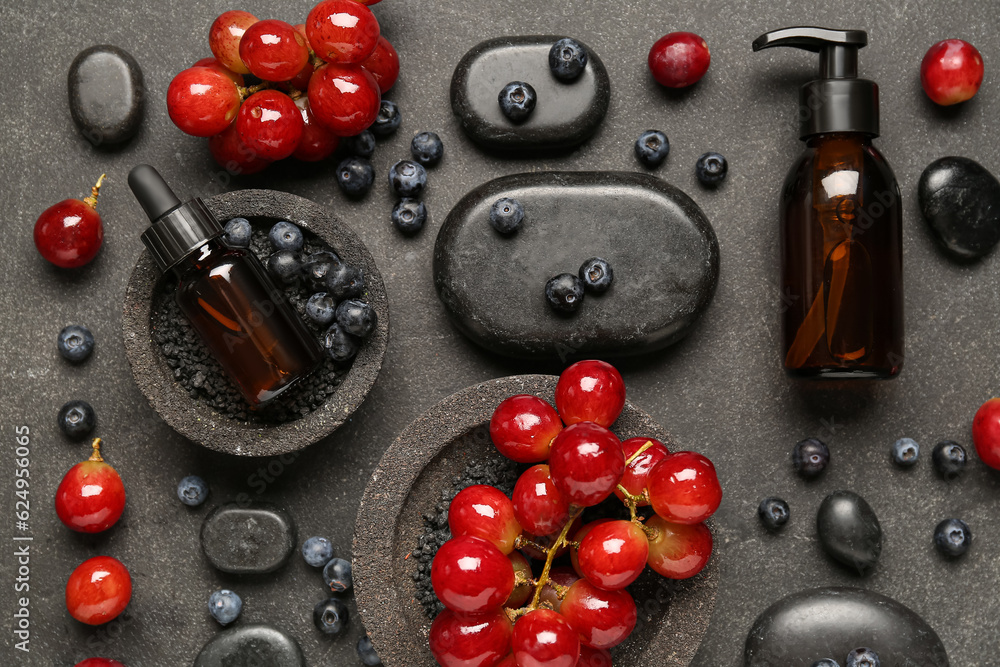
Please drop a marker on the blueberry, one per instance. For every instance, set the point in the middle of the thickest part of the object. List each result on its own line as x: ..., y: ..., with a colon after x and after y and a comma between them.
x: 596, y: 275
x: 321, y: 308
x: 506, y: 215
x: 564, y: 293
x: 826, y: 662
x: 949, y: 459
x: 517, y: 101
x: 192, y: 490
x: 952, y: 537
x: 567, y: 59
x: 345, y: 282
x: 652, y: 148
x: 905, y: 452
x: 338, y: 575
x: 356, y: 318
x: 711, y: 168
x: 388, y: 119
x: 286, y: 236
x: 773, y: 513
x: 284, y: 265
x: 810, y: 457
x: 317, y: 266
x: 317, y: 551
x: 407, y: 178
x: 339, y: 344
x: 409, y: 215
x: 237, y: 233
x: 75, y: 343
x: 331, y: 617
x: 863, y: 657
x: 369, y: 658
x: 77, y: 419
x: 225, y: 606
x: 361, y: 145
x: 355, y: 176
x: 427, y: 148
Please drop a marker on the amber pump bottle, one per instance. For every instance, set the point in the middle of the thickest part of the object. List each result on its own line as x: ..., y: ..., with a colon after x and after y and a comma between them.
x: 841, y: 223
x: 225, y: 293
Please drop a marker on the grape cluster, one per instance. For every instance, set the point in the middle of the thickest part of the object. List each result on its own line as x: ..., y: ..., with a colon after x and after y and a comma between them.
x: 312, y: 84
x: 501, y: 611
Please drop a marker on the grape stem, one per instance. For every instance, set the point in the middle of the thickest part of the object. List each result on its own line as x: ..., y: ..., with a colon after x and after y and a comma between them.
x: 91, y: 201
x: 574, y: 513
x: 635, y: 455
x: 95, y: 456
x: 247, y: 91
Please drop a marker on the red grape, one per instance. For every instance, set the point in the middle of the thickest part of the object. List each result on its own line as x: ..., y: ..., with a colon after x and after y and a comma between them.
x: 538, y: 506
x: 471, y: 576
x: 344, y: 98
x: 543, y: 638
x: 91, y: 497
x: 594, y: 657
x: 270, y: 124
x: 684, y: 488
x: 586, y: 463
x: 342, y: 31
x: 202, y: 101
x: 522, y: 428
x: 523, y: 591
x: 509, y: 660
x: 213, y: 63
x: 613, y: 554
x: 678, y: 551
x: 98, y: 590
x: 383, y: 64
x: 679, y: 59
x: 574, y: 554
x: 483, y: 511
x: 637, y: 471
x: 563, y: 576
x: 317, y: 142
x: 224, y: 38
x: 951, y: 72
x: 602, y: 618
x: 986, y: 432
x: 233, y: 155
x: 590, y: 391
x: 470, y: 641
x: 273, y: 50
x: 70, y: 234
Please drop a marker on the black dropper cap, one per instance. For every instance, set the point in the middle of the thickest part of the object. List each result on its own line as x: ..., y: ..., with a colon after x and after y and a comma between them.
x: 838, y: 101
x: 178, y: 229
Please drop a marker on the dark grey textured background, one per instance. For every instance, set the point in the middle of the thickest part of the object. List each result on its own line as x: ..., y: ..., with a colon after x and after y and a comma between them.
x: 721, y: 391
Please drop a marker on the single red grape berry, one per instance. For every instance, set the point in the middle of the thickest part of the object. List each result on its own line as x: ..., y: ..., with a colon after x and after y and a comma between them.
x: 344, y: 98
x: 483, y: 511
x: 202, y: 101
x: 91, y: 496
x: 683, y: 488
x: 270, y: 124
x: 213, y: 63
x: 69, y: 234
x: 522, y: 428
x: 383, y: 64
x: 224, y: 38
x: 951, y: 72
x: 602, y: 618
x: 638, y: 469
x: 538, y: 506
x: 317, y: 142
x: 613, y: 554
x: 99, y: 662
x: 467, y: 641
x: 591, y: 391
x: 586, y: 463
x: 543, y: 638
x: 563, y: 576
x: 594, y: 657
x: 273, y: 50
x: 522, y: 591
x: 98, y: 590
x: 471, y: 576
x: 986, y: 432
x: 574, y: 554
x: 678, y: 551
x: 342, y: 31
x: 233, y: 155
x: 679, y: 59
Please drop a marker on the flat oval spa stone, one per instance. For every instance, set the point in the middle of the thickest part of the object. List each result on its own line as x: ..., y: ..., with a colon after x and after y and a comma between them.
x: 829, y: 622
x: 565, y: 115
x: 849, y: 531
x: 106, y: 94
x: 662, y: 249
x: 257, y: 645
x: 960, y: 201
x: 254, y: 539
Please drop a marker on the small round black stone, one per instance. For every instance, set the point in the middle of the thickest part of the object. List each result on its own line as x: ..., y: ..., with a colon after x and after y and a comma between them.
x: 960, y: 200
x: 106, y: 94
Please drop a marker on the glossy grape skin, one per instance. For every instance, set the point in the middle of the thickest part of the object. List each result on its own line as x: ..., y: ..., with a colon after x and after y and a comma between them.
x: 383, y: 64
x: 90, y: 497
x: 543, y: 638
x: 678, y: 551
x: 471, y: 576
x: 486, y: 512
x: 233, y: 155
x: 574, y: 554
x: 342, y: 31
x: 637, y: 471
x: 470, y: 641
x: 317, y: 143
x: 590, y: 390
x: 212, y: 62
x: 344, y: 98
x: 679, y: 59
x: 522, y: 592
x: 69, y: 234
x: 270, y: 124
x: 202, y: 101
x: 613, y: 554
x: 986, y: 433
x: 273, y: 50
x: 539, y: 507
x: 586, y: 462
x: 224, y: 38
x: 99, y: 662
x: 951, y: 72
x: 602, y: 618
x: 98, y: 590
x: 523, y: 426
x: 684, y: 488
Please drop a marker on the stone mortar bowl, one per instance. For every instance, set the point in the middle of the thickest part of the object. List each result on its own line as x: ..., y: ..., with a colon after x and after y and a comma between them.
x: 423, y: 461
x: 195, y: 420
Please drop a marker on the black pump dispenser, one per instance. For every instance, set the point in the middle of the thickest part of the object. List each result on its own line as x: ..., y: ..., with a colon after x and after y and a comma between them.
x: 838, y: 101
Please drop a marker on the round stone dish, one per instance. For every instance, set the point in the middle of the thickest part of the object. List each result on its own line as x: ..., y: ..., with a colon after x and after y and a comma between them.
x: 195, y: 420
x: 408, y: 482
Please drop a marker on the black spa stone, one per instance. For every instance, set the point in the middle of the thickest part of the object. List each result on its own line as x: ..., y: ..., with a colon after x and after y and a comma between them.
x: 960, y: 201
x: 565, y: 115
x: 106, y: 94
x: 806, y: 626
x: 662, y: 247
x: 849, y: 531
x: 257, y: 645
x: 254, y: 539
